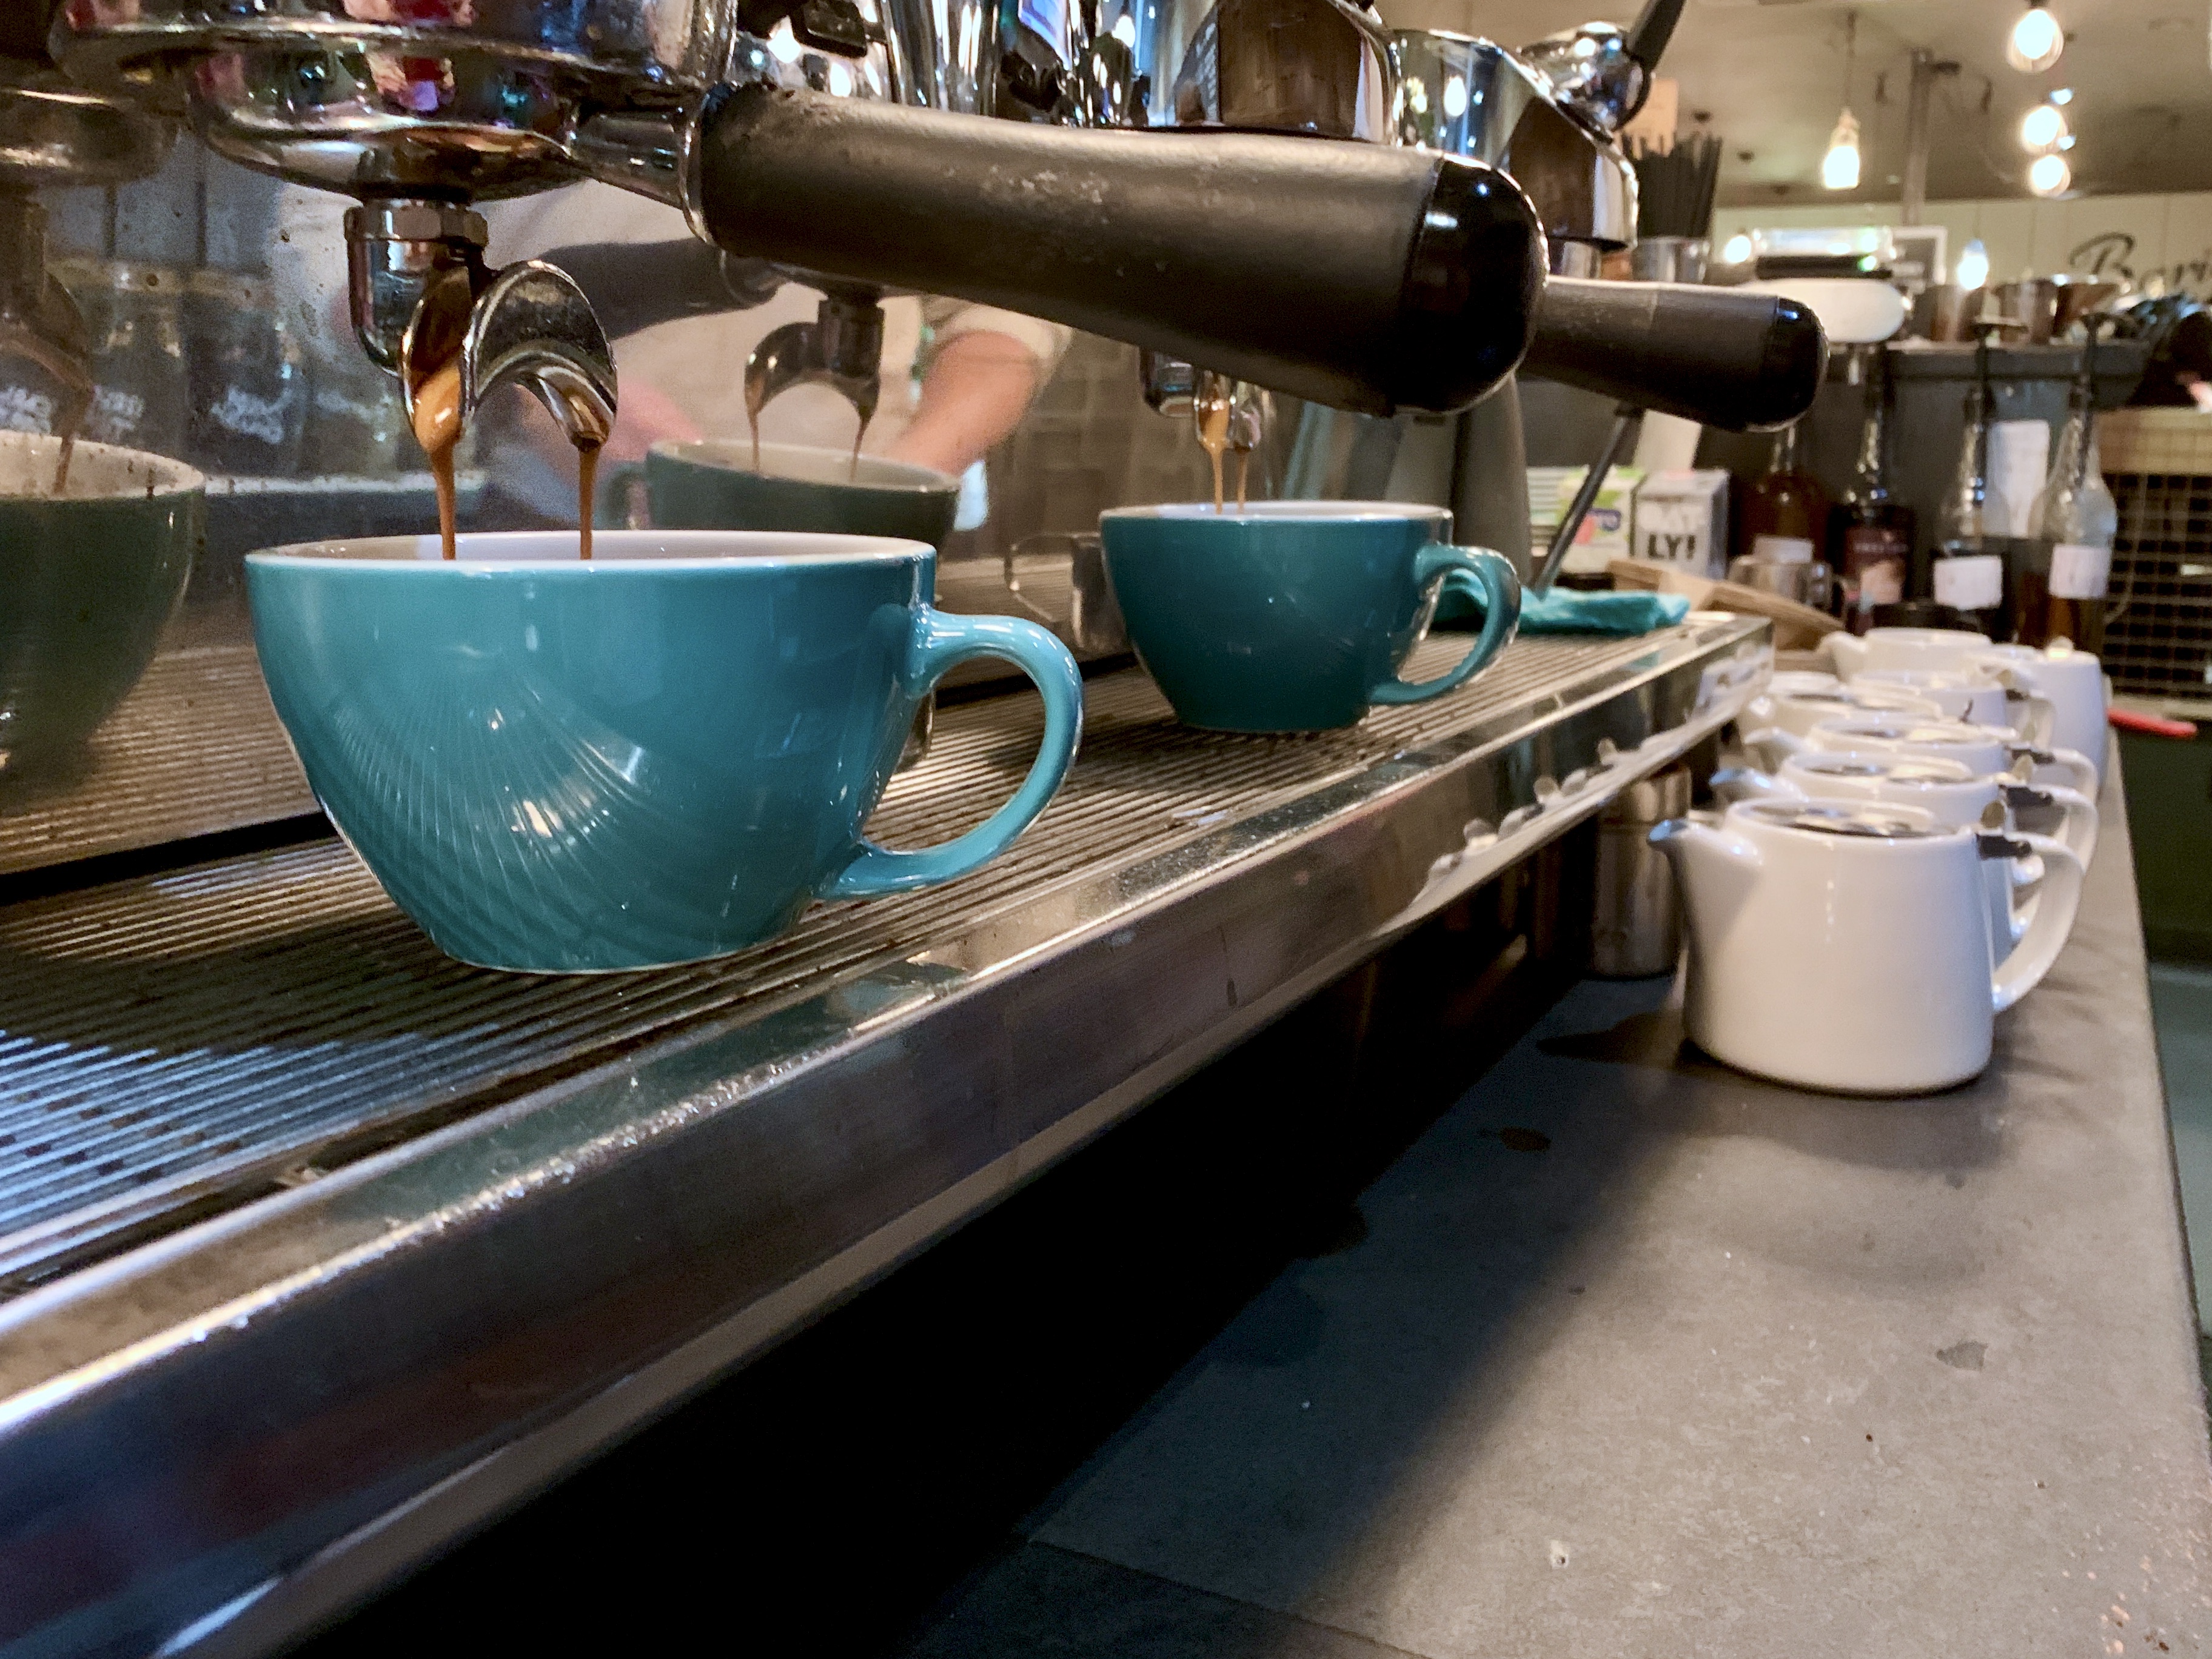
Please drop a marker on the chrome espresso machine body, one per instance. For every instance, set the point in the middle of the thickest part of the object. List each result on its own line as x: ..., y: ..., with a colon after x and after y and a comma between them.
x: 318, y: 1251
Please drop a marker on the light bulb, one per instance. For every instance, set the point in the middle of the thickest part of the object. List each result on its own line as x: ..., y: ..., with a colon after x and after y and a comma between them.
x: 1736, y: 251
x: 2050, y: 175
x: 1839, y: 168
x: 1456, y: 96
x: 2041, y: 129
x: 2036, y: 41
x: 1973, y: 266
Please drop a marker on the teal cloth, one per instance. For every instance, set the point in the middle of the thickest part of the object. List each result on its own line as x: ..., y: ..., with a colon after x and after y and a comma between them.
x: 1567, y: 610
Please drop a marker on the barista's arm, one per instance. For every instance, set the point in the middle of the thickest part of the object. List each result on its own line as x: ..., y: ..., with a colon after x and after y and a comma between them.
x: 985, y: 368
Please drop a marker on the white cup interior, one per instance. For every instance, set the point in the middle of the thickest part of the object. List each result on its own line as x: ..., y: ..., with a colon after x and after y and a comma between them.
x: 660, y: 548
x: 28, y: 461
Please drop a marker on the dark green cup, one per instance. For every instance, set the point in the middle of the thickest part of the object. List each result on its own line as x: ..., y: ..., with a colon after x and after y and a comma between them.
x: 710, y: 484
x: 87, y: 582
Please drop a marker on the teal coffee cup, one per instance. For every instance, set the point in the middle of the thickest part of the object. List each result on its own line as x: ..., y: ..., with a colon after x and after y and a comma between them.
x: 87, y: 582
x: 711, y: 485
x: 1296, y: 616
x: 657, y: 756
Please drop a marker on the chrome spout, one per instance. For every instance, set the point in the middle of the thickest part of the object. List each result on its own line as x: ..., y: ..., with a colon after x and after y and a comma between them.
x: 841, y: 348
x: 529, y: 325
x: 397, y: 250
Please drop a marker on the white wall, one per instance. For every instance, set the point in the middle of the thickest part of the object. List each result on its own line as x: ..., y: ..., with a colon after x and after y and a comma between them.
x: 2146, y: 234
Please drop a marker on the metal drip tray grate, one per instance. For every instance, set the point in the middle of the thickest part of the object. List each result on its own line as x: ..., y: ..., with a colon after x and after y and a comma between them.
x: 194, y: 748
x: 176, y: 1043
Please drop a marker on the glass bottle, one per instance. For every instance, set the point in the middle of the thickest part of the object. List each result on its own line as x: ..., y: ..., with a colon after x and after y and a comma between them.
x: 2077, y: 519
x: 1968, y: 566
x: 1870, y: 533
x: 1784, y: 505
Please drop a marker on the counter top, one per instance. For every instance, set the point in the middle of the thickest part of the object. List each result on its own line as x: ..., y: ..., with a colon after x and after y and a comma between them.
x: 1728, y: 1369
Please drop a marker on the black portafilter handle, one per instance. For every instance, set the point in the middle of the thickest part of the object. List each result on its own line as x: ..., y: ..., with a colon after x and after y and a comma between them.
x: 1747, y: 362
x: 1354, y: 275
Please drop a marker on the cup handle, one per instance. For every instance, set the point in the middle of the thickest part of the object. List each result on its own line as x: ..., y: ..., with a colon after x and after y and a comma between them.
x: 940, y: 642
x: 2044, y: 936
x: 1485, y: 577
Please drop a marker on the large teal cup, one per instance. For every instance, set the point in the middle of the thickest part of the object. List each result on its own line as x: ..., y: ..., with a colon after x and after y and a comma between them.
x: 1296, y: 616
x: 657, y: 756
x: 87, y: 581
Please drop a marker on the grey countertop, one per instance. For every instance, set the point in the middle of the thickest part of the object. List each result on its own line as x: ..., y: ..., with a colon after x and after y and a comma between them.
x: 1727, y: 1370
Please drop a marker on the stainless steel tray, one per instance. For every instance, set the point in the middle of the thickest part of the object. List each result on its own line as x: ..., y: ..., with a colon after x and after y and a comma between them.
x: 321, y: 1244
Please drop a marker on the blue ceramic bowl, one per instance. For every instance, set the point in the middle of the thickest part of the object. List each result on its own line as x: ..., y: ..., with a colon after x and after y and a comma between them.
x: 660, y: 755
x: 1296, y: 616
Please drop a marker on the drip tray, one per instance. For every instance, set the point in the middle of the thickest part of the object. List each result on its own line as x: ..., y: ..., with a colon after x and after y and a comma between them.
x: 416, y: 1211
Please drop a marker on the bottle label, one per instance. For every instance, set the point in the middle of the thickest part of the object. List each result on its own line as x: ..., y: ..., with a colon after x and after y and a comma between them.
x: 1876, y: 559
x: 1972, y: 581
x: 2078, y: 572
x: 1782, y: 549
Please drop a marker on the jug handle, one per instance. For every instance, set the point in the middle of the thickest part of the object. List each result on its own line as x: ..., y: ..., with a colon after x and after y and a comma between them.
x: 2057, y: 900
x: 2042, y: 721
x: 2078, y: 829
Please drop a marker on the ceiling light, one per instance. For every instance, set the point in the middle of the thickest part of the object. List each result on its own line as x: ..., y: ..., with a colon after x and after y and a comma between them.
x: 2036, y: 41
x: 2050, y: 175
x: 2041, y: 129
x: 2062, y: 94
x: 1839, y: 167
x: 1973, y: 269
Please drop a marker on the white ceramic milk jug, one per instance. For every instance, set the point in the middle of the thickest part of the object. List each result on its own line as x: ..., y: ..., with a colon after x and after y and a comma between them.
x: 2073, y: 682
x: 1879, y: 907
x: 1952, y: 794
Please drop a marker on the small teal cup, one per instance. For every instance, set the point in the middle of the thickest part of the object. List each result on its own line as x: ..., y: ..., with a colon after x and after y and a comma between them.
x: 1296, y: 616
x: 658, y: 757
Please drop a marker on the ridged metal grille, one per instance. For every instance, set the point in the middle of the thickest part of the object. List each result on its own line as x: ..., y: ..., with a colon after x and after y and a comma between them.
x: 194, y: 748
x: 176, y: 1042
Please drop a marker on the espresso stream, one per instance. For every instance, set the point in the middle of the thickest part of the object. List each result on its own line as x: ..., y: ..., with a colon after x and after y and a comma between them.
x: 438, y: 426
x: 438, y: 430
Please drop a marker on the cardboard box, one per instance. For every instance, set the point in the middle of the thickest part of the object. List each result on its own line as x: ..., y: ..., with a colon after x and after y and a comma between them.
x: 1680, y: 520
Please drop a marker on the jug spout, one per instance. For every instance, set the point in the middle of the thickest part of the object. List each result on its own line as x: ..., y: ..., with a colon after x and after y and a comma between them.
x: 1846, y: 654
x: 1714, y: 867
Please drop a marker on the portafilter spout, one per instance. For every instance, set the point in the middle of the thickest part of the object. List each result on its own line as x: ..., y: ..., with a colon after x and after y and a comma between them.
x: 841, y: 348
x: 529, y: 325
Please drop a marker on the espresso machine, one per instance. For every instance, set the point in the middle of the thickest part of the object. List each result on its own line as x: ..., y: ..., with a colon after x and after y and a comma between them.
x: 851, y: 140
x: 1548, y: 115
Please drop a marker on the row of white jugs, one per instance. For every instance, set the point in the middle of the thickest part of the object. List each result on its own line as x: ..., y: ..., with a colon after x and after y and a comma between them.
x: 1867, y: 903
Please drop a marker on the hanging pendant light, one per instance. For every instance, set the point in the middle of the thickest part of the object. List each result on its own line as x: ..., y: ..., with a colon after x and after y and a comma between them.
x: 1839, y: 167
x: 2050, y: 175
x: 2042, y: 129
x: 2036, y: 41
